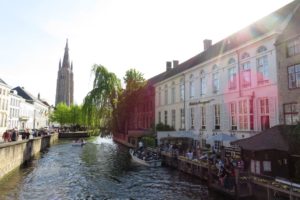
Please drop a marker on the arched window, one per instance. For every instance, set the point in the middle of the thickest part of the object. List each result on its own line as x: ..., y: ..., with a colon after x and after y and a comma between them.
x: 173, y: 92
x: 245, y: 55
x: 202, y: 83
x: 192, y: 87
x: 166, y: 94
x: 231, y: 61
x: 261, y: 49
x: 215, y: 67
x: 181, y: 89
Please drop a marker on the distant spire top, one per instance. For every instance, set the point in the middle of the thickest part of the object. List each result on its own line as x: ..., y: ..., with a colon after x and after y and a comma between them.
x: 66, y: 62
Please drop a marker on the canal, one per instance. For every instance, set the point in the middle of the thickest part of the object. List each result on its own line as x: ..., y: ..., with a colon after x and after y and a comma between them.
x: 101, y: 169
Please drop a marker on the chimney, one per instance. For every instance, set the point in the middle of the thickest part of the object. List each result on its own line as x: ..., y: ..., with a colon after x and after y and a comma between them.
x: 39, y: 96
x: 168, y: 66
x: 207, y: 43
x: 175, y: 63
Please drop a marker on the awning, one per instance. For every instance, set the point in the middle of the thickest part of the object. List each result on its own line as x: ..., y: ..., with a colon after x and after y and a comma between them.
x: 221, y: 137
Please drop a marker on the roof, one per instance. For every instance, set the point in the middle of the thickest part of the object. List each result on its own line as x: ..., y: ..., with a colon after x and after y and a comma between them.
x: 27, y: 96
x: 292, y: 29
x: 1, y: 81
x: 270, y: 139
x: 265, y: 25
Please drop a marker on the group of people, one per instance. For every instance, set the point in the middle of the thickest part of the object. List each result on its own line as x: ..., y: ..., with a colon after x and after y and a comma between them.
x: 13, y: 135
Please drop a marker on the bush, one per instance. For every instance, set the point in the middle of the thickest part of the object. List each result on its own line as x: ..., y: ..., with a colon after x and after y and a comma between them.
x: 164, y: 127
x: 149, y: 141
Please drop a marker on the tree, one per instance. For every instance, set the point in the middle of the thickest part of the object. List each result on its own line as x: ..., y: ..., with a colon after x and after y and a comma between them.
x: 133, y: 80
x: 60, y: 114
x: 130, y: 98
x: 100, y: 104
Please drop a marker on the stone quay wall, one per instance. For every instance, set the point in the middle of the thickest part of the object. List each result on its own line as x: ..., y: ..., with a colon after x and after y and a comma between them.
x: 14, y: 154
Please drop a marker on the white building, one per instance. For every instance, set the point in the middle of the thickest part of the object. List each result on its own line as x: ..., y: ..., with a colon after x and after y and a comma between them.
x: 26, y: 115
x: 39, y: 111
x: 228, y: 90
x: 4, y: 100
x: 14, y: 110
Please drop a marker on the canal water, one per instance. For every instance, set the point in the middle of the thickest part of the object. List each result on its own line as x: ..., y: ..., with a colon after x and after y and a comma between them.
x: 101, y: 169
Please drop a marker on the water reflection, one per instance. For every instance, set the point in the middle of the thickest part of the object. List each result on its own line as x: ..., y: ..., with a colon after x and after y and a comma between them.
x: 100, y: 169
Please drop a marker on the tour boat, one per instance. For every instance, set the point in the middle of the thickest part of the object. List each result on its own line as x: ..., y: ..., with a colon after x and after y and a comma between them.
x: 149, y: 163
x: 78, y: 143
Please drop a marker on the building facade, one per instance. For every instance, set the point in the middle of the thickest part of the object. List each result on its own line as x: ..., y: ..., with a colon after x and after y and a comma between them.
x: 4, y: 111
x: 37, y: 112
x: 65, y: 83
x: 288, y: 48
x: 14, y: 110
x: 231, y: 88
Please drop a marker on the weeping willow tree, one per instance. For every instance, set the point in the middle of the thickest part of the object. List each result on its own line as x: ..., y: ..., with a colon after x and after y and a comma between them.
x: 100, y: 104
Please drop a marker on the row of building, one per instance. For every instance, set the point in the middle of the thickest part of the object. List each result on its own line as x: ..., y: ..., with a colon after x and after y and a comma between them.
x: 234, y: 89
x: 21, y: 110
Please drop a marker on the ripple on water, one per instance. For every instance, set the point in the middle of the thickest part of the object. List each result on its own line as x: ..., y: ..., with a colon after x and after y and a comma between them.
x: 100, y: 169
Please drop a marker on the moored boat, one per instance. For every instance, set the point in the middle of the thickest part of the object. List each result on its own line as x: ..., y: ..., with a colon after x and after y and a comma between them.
x: 150, y: 162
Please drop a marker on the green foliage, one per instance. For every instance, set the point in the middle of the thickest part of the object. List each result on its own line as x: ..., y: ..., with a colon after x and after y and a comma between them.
x: 100, y: 104
x: 149, y: 141
x: 133, y: 80
x: 164, y: 127
x: 65, y: 115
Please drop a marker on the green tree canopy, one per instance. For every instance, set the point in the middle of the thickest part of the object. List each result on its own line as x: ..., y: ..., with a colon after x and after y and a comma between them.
x: 100, y: 104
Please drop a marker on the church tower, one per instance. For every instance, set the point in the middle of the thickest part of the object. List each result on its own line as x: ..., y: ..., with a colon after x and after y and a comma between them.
x: 65, y: 83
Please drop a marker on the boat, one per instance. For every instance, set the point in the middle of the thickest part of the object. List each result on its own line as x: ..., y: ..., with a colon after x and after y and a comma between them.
x: 148, y: 163
x: 79, y: 143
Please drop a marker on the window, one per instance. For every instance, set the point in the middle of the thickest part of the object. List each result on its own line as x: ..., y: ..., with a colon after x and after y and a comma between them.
x: 293, y: 47
x: 264, y: 114
x: 215, y: 82
x: 203, y: 118
x: 261, y: 49
x: 192, y: 87
x: 231, y: 61
x: 181, y: 88
x: 159, y: 117
x: 217, y: 145
x: 243, y: 115
x: 267, y: 166
x: 262, y: 70
x: 291, y: 114
x: 246, y: 74
x: 255, y: 166
x: 159, y: 96
x: 251, y: 114
x: 173, y: 118
x: 182, y: 119
x: 217, y: 116
x: 166, y: 94
x: 232, y: 78
x: 192, y: 118
x: 233, y: 117
x: 173, y: 93
x: 202, y: 83
x: 294, y: 76
x: 166, y: 117
x: 245, y: 55
x: 203, y: 143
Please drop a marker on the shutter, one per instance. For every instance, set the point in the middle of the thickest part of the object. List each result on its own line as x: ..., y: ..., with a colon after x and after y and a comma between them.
x: 225, y: 117
x: 257, y: 115
x: 272, y: 111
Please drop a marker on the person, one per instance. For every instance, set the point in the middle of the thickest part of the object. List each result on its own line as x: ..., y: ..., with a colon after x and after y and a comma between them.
x: 6, y: 136
x: 14, y: 135
x: 27, y: 134
x: 141, y: 145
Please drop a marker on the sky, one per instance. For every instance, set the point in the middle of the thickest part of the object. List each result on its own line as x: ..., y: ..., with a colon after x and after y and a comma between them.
x: 118, y: 34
